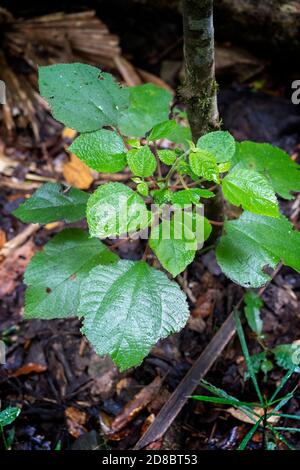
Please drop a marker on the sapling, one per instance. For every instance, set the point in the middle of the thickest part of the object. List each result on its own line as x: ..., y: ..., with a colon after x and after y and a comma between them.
x: 127, y: 306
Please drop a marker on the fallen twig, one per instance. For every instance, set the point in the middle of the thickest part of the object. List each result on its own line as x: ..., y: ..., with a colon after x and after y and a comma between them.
x: 19, y: 239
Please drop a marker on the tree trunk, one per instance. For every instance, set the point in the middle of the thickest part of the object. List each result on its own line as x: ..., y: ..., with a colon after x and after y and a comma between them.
x: 200, y: 86
x: 200, y: 89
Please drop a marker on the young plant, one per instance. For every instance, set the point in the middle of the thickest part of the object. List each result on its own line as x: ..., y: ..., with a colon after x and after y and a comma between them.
x: 7, y: 417
x: 127, y: 306
x: 284, y: 355
x: 262, y: 415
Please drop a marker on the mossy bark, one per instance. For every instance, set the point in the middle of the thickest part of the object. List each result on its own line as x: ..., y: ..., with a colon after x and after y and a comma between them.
x: 200, y: 89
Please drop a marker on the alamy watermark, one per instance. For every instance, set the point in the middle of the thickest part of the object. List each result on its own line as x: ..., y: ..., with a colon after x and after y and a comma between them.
x: 2, y: 352
x: 135, y: 220
x: 2, y: 92
x: 296, y: 94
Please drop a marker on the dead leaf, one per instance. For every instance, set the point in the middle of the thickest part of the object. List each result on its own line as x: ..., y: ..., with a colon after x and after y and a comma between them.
x: 14, y: 266
x: 30, y: 368
x: 136, y: 405
x: 76, y: 420
x: 205, y: 304
x: 2, y: 238
x: 241, y: 416
x: 147, y: 423
x: 53, y: 225
x: 196, y: 324
x: 77, y: 173
x: 69, y: 133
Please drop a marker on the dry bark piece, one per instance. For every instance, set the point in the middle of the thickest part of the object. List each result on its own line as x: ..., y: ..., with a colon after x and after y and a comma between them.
x: 76, y: 421
x: 29, y: 368
x: 2, y: 238
x: 136, y: 405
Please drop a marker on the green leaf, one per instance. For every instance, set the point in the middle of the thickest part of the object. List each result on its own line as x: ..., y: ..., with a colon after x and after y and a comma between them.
x: 180, y: 135
x: 183, y: 168
x: 250, y: 190
x: 272, y: 162
x: 161, y: 196
x: 252, y: 311
x: 220, y: 144
x: 203, y: 163
x: 168, y: 157
x: 253, y: 242
x: 244, y: 346
x: 9, y: 415
x: 101, y: 150
x: 54, y: 276
x: 115, y: 209
x: 224, y: 167
x: 52, y: 202
x: 162, y: 130
x: 127, y: 307
x: 259, y: 362
x: 190, y: 196
x: 81, y: 96
x: 256, y: 362
x: 143, y: 189
x: 135, y: 143
x: 172, y: 131
x: 287, y: 356
x: 141, y: 161
x: 149, y: 105
x: 175, y: 241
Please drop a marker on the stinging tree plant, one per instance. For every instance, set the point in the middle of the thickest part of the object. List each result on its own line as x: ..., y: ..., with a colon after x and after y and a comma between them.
x: 127, y: 306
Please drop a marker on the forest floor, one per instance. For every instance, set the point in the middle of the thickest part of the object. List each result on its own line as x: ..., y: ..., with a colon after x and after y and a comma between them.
x: 70, y: 397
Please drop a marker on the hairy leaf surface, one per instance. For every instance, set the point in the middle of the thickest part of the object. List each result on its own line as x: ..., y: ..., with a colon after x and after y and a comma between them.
x: 81, y: 96
x: 203, y: 163
x: 220, y: 144
x: 127, y: 307
x: 149, y: 105
x: 101, y: 150
x: 273, y: 163
x: 115, y: 209
x: 253, y: 242
x: 141, y: 161
x: 175, y: 241
x: 54, y: 275
x: 52, y: 202
x: 251, y: 190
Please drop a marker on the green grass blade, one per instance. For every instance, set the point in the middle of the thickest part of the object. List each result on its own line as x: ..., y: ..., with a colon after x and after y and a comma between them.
x: 281, y: 385
x: 244, y: 347
x: 224, y: 401
x: 284, y: 415
x: 282, y: 428
x: 280, y: 437
x: 249, y: 435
